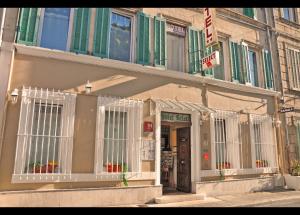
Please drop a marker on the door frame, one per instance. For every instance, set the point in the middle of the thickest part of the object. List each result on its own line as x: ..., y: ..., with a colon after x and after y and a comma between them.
x: 194, y: 143
x: 189, y: 158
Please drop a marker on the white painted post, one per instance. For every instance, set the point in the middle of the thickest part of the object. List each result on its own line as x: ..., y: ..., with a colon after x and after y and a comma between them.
x: 157, y: 145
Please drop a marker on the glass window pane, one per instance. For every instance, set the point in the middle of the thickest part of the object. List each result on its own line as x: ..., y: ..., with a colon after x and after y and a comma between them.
x: 286, y: 13
x: 55, y: 28
x: 253, y: 68
x: 175, y: 52
x: 120, y: 38
x: 45, y: 139
x: 219, y: 70
x: 115, y: 138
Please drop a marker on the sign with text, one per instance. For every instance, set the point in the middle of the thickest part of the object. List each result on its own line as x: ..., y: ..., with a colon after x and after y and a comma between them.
x: 211, y: 60
x: 287, y: 109
x: 175, y: 117
x: 209, y: 20
x: 175, y: 29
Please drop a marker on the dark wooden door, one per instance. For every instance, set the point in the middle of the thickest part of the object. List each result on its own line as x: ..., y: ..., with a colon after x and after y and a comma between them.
x: 183, y: 160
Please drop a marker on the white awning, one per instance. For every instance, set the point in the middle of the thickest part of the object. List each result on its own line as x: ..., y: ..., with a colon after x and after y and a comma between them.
x: 182, y: 105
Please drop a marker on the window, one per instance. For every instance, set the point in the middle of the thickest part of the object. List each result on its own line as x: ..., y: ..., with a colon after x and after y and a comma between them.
x: 253, y: 68
x: 262, y: 139
x: 225, y: 140
x: 120, y: 37
x: 293, y: 66
x: 175, y: 50
x: 219, y: 70
x: 289, y: 14
x: 220, y: 141
x: 45, y: 133
x: 55, y: 28
x: 250, y: 12
x: 118, y: 136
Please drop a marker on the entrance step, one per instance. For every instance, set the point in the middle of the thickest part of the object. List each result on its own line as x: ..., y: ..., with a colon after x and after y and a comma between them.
x: 179, y: 197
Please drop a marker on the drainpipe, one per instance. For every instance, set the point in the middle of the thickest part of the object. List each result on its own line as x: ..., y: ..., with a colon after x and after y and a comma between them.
x: 281, y: 147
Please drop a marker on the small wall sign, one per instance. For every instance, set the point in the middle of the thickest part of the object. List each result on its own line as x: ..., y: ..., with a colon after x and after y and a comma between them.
x: 287, y: 109
x: 175, y: 29
x: 175, y: 117
x: 148, y: 127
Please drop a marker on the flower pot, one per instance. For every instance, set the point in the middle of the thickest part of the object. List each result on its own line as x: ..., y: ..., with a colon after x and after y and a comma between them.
x: 117, y: 168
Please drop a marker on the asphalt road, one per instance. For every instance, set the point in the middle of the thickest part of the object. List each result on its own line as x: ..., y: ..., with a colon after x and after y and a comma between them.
x: 284, y: 203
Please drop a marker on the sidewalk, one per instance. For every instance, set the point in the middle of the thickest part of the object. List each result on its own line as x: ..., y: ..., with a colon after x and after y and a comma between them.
x: 236, y: 200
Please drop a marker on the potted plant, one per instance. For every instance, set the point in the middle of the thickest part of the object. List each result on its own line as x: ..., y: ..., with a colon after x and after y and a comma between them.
x: 292, y: 180
x: 124, y: 178
x: 52, y: 167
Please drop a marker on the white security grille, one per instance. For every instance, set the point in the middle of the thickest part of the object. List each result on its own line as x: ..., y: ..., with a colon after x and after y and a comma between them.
x: 262, y: 141
x: 118, y: 135
x: 45, y: 132
x: 225, y: 140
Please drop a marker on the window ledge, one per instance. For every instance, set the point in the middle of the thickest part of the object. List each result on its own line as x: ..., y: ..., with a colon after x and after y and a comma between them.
x: 131, y: 67
x: 288, y: 22
x: 228, y: 172
x: 80, y: 177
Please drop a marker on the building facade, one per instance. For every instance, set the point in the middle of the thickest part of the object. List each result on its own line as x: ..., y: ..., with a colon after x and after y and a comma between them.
x: 102, y: 97
x: 288, y: 43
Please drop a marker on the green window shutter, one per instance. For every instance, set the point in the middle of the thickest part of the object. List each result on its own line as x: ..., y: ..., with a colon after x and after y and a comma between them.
x: 194, y: 51
x: 160, y: 55
x: 28, y: 26
x: 143, y: 39
x: 248, y: 12
x: 268, y: 69
x: 235, y: 62
x: 245, y: 63
x: 204, y: 52
x: 81, y: 27
x: 101, y: 33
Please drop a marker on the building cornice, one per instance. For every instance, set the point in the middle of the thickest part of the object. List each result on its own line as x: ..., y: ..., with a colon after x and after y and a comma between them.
x: 131, y: 67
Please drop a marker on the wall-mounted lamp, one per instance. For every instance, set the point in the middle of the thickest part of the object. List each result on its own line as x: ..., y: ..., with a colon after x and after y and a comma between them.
x: 14, y: 96
x: 88, y: 87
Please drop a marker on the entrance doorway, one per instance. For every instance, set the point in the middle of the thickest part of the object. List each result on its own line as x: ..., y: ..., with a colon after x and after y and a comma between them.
x: 175, y: 155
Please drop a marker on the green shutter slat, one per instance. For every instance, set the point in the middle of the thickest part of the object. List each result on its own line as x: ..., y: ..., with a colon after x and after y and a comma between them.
x: 101, y: 33
x: 28, y: 26
x: 194, y: 51
x: 235, y: 62
x: 143, y: 44
x: 81, y: 27
x: 249, y: 12
x: 245, y: 64
x: 160, y: 56
x: 268, y: 70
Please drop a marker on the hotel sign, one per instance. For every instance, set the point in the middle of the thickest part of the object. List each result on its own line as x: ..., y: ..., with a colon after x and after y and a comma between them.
x: 211, y: 60
x: 175, y: 117
x: 210, y: 33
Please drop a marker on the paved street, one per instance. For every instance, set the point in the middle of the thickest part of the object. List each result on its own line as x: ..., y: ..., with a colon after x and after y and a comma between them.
x: 283, y: 203
x: 277, y: 198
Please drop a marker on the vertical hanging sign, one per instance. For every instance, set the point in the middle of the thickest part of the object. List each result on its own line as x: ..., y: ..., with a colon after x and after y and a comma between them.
x: 209, y: 20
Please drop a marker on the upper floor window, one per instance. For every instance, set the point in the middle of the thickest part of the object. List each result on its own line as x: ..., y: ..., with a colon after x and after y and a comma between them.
x: 45, y: 133
x: 293, y: 66
x: 289, y: 14
x: 253, y: 68
x: 55, y: 28
x: 175, y: 47
x: 120, y: 37
x: 250, y: 12
x: 219, y: 71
